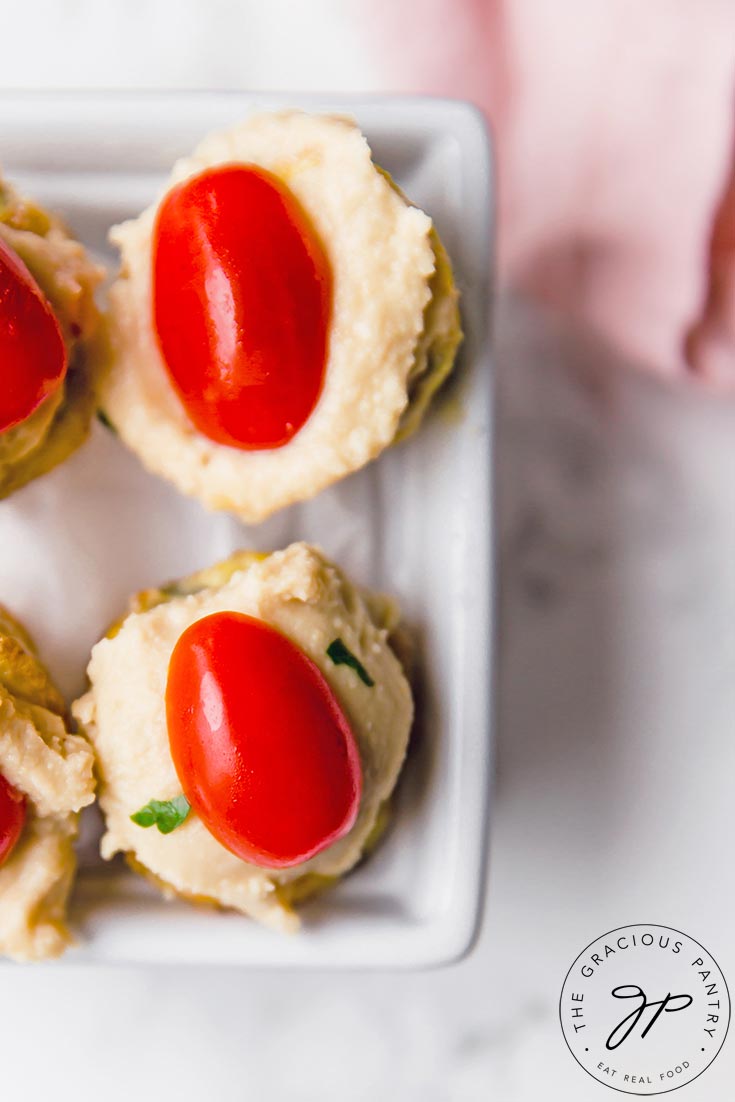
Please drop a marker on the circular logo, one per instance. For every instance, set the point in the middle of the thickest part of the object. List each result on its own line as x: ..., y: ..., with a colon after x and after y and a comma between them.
x: 644, y: 1009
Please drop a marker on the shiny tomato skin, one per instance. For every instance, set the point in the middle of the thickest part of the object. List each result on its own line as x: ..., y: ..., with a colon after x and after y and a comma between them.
x: 33, y: 358
x: 12, y: 818
x: 242, y: 294
x: 260, y: 744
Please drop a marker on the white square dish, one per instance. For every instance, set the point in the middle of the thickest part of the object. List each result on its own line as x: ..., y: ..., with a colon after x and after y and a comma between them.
x: 416, y: 523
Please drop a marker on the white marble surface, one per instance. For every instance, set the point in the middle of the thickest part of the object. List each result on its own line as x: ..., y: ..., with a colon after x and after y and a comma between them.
x: 617, y: 710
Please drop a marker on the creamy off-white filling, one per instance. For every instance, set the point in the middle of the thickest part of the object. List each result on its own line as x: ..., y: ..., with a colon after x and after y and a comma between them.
x: 68, y: 278
x: 382, y: 258
x: 53, y: 769
x: 307, y: 598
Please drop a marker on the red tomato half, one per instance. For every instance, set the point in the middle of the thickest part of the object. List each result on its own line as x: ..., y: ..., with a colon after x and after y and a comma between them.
x: 262, y: 748
x: 32, y: 352
x: 12, y: 818
x: 242, y: 293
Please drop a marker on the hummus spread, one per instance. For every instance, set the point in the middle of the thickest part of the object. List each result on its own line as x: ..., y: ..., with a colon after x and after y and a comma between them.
x: 393, y: 336
x: 307, y: 598
x: 68, y: 278
x: 53, y: 769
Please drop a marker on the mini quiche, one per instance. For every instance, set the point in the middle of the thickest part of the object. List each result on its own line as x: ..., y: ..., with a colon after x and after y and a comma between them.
x: 45, y: 779
x: 282, y: 315
x: 250, y: 723
x: 48, y: 322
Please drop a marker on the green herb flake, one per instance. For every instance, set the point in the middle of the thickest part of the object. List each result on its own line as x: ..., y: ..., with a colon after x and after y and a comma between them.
x: 341, y: 656
x: 164, y: 814
x: 105, y: 420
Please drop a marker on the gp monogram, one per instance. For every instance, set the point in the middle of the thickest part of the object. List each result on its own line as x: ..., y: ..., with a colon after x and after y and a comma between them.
x: 644, y: 1009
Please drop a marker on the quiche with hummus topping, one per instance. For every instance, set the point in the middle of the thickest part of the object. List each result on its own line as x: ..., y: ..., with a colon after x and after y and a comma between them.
x: 48, y: 321
x: 249, y: 724
x: 45, y: 779
x: 283, y: 314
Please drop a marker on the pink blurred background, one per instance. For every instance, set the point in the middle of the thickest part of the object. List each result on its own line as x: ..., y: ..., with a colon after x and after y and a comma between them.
x: 615, y: 127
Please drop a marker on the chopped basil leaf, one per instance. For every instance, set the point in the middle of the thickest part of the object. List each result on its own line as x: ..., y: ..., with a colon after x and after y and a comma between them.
x: 105, y: 420
x: 341, y: 656
x: 165, y: 814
